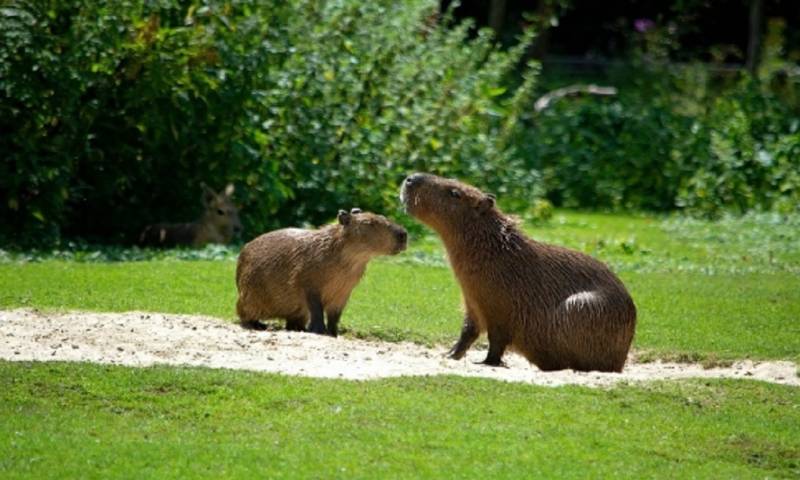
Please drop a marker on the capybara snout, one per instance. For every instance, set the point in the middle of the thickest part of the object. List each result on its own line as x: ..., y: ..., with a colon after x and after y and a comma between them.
x: 400, y: 238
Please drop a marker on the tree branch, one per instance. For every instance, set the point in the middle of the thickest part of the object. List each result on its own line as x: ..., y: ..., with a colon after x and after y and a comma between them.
x: 547, y: 99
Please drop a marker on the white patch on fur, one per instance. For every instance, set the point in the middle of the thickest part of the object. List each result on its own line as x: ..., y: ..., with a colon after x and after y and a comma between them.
x: 577, y: 301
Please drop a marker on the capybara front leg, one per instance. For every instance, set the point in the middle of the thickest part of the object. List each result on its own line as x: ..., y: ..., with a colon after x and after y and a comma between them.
x: 469, y: 332
x: 333, y: 322
x: 296, y: 324
x: 317, y: 324
x: 498, y: 341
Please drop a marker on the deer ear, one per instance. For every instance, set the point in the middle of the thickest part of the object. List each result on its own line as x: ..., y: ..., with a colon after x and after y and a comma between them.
x: 486, y: 203
x: 229, y: 189
x: 355, y: 210
x: 344, y: 217
x: 208, y: 194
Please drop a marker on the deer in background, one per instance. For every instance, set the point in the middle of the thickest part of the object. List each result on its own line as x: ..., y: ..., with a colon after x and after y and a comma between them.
x: 218, y: 224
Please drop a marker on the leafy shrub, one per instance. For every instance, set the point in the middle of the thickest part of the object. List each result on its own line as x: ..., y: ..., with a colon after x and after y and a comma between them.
x: 608, y: 154
x: 748, y: 156
x: 117, y: 111
x: 661, y: 145
x: 114, y: 112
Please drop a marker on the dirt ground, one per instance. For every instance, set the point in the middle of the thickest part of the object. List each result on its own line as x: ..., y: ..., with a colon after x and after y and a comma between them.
x: 141, y: 339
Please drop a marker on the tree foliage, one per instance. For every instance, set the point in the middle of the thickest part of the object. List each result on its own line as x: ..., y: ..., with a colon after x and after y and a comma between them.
x: 114, y: 112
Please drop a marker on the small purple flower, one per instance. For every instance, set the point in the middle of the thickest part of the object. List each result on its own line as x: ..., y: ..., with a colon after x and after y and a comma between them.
x: 643, y: 24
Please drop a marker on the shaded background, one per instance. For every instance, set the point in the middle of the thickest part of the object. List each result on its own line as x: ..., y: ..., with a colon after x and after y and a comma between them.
x: 112, y: 114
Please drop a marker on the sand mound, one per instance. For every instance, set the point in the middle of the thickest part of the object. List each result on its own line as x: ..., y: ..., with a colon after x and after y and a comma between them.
x: 141, y: 339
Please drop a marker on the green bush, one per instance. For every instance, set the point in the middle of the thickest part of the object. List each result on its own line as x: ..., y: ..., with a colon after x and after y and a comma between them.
x: 666, y: 143
x: 608, y: 154
x: 114, y: 112
x: 746, y: 156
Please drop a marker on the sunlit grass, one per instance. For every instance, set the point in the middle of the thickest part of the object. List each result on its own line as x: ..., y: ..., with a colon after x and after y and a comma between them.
x: 91, y: 421
x: 697, y: 293
x: 704, y: 291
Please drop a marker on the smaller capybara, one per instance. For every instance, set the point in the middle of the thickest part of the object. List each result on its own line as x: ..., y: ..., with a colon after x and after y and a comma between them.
x: 218, y: 224
x: 299, y: 275
x: 557, y: 307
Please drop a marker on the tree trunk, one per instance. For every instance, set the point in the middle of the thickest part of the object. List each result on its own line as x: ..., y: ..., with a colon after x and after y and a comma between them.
x: 545, y: 10
x: 497, y: 16
x: 755, y: 37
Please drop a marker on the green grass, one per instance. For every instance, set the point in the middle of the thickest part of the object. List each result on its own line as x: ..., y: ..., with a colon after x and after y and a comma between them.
x: 721, y: 290
x: 705, y: 291
x: 688, y: 315
x: 90, y: 421
x: 197, y: 287
x: 756, y: 243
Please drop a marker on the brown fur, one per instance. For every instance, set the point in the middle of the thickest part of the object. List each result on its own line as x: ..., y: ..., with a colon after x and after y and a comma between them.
x: 298, y: 274
x: 559, y: 308
x: 218, y: 224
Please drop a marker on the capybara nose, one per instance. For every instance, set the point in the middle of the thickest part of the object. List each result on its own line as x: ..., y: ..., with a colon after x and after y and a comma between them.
x: 402, y: 240
x: 415, y: 178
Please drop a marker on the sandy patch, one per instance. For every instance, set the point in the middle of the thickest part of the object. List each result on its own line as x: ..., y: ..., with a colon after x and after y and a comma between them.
x: 141, y: 339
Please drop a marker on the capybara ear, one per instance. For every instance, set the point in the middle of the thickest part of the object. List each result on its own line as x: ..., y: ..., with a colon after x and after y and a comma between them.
x: 355, y: 210
x: 344, y: 217
x: 208, y: 194
x: 486, y: 203
x: 229, y: 188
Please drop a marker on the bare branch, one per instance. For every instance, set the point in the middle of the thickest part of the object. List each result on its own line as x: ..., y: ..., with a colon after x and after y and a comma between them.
x: 547, y: 99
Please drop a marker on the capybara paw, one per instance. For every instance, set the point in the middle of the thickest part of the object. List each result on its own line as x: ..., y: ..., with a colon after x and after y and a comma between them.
x: 454, y: 354
x: 252, y: 325
x: 493, y: 363
x: 317, y: 330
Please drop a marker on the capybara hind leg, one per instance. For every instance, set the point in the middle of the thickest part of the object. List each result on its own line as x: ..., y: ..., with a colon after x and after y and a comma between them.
x: 296, y: 324
x: 246, y: 318
x: 548, y: 360
x: 252, y: 325
x: 612, y: 364
x: 333, y: 322
x: 549, y: 365
x: 317, y: 324
x: 469, y: 333
x: 498, y: 341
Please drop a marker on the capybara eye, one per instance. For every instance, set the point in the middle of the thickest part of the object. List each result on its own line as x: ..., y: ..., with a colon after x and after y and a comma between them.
x: 455, y: 193
x: 219, y: 211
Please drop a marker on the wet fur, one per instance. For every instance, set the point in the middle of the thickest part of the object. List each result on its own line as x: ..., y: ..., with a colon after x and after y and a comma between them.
x: 298, y: 275
x: 558, y: 307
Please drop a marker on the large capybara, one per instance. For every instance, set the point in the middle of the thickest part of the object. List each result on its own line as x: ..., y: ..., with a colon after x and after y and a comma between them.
x: 218, y: 224
x: 557, y: 307
x: 298, y: 274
